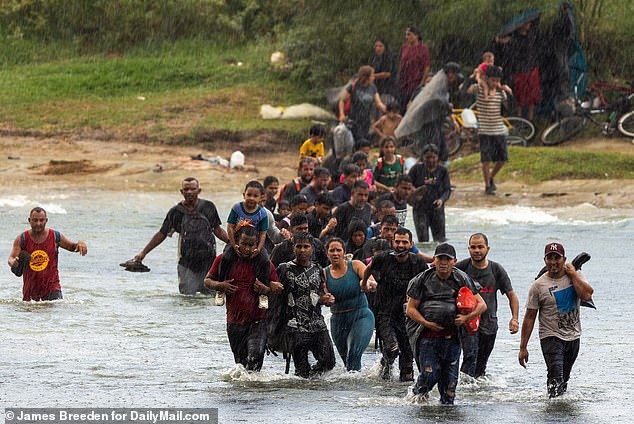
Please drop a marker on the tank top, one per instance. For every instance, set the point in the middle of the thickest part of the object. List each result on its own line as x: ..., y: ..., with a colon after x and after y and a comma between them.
x: 41, y: 276
x: 347, y: 291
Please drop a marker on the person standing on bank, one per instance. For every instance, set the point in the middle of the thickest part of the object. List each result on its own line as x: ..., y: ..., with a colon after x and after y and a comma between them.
x: 35, y: 253
x: 433, y: 323
x: 197, y: 223
x: 415, y: 62
x: 492, y: 277
x: 557, y: 296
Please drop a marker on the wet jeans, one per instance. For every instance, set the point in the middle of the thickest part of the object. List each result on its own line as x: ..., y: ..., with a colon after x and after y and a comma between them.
x: 321, y: 347
x: 351, y: 332
x: 248, y: 343
x: 559, y: 356
x: 476, y: 349
x: 426, y: 219
x: 438, y: 359
x: 391, y: 330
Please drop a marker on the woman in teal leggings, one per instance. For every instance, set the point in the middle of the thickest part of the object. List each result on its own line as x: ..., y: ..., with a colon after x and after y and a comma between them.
x: 352, y: 321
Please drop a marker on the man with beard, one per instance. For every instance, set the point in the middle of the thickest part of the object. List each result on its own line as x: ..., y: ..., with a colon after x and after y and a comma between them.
x: 303, y: 295
x: 492, y: 277
x: 394, y: 269
x: 557, y: 296
x: 356, y: 208
x: 306, y: 171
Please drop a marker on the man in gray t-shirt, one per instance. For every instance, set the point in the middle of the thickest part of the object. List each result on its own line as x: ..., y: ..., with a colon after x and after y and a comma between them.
x: 557, y: 296
x: 492, y: 277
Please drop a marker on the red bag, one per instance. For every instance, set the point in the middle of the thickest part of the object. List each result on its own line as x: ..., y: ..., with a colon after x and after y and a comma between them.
x: 466, y: 302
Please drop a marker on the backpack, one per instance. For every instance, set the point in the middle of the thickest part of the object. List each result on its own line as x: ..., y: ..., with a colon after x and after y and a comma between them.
x: 197, y: 241
x: 379, y: 162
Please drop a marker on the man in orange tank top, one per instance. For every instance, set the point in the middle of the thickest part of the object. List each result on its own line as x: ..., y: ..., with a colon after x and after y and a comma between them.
x: 40, y: 276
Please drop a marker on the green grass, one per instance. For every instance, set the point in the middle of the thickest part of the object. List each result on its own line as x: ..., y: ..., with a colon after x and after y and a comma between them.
x: 190, y: 80
x: 537, y: 164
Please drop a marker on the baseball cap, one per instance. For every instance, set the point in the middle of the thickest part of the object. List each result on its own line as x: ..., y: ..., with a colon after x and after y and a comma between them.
x: 445, y: 249
x: 554, y: 248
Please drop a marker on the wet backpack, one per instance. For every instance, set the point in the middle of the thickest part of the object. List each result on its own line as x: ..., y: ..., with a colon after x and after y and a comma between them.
x: 197, y: 240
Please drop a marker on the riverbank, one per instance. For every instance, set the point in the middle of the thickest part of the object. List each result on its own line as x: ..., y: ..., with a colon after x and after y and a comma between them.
x: 41, y: 163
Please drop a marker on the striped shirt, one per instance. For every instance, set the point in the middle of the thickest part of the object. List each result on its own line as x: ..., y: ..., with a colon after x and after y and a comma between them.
x: 489, y: 112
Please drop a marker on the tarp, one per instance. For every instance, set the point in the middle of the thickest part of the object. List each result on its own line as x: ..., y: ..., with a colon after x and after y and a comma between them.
x: 428, y: 106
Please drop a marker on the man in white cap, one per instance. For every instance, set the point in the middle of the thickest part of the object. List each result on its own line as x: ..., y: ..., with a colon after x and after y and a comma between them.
x: 557, y: 296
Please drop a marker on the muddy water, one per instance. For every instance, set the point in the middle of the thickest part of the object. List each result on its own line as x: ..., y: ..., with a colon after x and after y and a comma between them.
x: 121, y: 339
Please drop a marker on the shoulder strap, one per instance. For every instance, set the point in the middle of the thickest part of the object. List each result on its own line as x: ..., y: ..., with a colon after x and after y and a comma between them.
x: 379, y: 164
x: 22, y: 241
x: 298, y: 186
x: 58, y: 236
x: 400, y: 160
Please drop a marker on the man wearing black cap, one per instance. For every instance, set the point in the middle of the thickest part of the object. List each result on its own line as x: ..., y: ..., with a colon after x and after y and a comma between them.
x: 557, y: 295
x: 433, y: 323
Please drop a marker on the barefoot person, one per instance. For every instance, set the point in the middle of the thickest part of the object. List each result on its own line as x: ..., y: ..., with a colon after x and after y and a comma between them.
x: 40, y: 275
x: 197, y: 222
x: 556, y: 295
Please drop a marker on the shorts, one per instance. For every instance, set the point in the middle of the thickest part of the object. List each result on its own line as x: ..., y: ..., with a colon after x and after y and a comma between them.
x: 526, y: 88
x: 493, y: 148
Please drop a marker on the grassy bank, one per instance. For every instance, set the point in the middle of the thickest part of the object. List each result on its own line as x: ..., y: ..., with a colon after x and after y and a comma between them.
x: 538, y: 164
x: 177, y: 89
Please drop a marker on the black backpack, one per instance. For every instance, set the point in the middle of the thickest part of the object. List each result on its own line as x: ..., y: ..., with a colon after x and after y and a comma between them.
x: 197, y: 240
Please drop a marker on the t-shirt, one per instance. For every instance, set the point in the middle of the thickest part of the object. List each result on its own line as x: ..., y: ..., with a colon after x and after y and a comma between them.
x: 438, y: 298
x: 285, y: 252
x: 492, y: 278
x: 388, y: 173
x: 362, y: 99
x: 393, y: 280
x: 242, y: 306
x: 437, y: 182
x: 310, y: 193
x: 401, y: 207
x: 346, y: 213
x: 40, y: 277
x: 340, y: 194
x: 311, y: 149
x: 414, y: 59
x: 303, y: 286
x: 490, y: 120
x: 172, y: 224
x: 291, y: 189
x: 384, y: 63
x: 259, y: 219
x: 558, y: 306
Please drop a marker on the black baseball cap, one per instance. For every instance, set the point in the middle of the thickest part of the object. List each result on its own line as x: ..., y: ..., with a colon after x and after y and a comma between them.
x: 445, y: 249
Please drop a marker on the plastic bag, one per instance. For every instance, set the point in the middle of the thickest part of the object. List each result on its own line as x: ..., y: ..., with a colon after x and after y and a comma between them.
x: 466, y: 302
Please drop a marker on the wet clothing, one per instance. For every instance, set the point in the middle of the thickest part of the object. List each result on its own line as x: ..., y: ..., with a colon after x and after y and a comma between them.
x: 345, y: 213
x: 311, y: 194
x: 527, y: 90
x: 493, y: 148
x: 311, y: 149
x: 478, y: 347
x: 559, y: 327
x: 490, y: 120
x: 560, y: 356
x: 248, y: 343
x: 242, y: 306
x: 352, y: 322
x: 413, y: 61
x: 305, y: 325
x: 258, y: 219
x: 40, y: 277
x: 189, y: 282
x: 289, y: 190
x: 388, y: 173
x: 384, y: 63
x: 400, y: 205
x: 285, y: 252
x: 361, y: 101
x: 316, y: 224
x: 426, y: 215
x: 340, y: 194
x: 438, y: 352
x: 393, y: 279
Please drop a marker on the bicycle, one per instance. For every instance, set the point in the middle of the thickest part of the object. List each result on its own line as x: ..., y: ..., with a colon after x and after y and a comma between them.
x: 519, y: 131
x: 583, y: 111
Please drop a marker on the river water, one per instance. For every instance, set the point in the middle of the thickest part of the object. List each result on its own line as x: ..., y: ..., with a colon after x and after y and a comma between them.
x: 122, y: 339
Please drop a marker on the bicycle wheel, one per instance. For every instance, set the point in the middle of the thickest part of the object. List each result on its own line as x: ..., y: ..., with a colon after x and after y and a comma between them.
x: 626, y: 124
x: 563, y: 130
x: 453, y: 138
x: 521, y: 127
x: 514, y: 140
